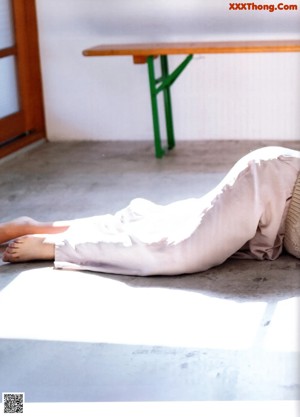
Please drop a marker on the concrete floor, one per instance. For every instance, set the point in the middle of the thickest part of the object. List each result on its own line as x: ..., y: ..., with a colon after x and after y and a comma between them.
x: 227, y: 334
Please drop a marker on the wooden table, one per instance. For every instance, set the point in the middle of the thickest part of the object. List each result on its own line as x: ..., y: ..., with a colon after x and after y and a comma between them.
x: 146, y: 53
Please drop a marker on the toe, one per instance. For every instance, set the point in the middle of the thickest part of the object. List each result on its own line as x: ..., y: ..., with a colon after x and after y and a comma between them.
x: 12, y: 245
x: 15, y: 244
x: 10, y: 250
x: 5, y: 257
x: 9, y: 255
x: 17, y: 241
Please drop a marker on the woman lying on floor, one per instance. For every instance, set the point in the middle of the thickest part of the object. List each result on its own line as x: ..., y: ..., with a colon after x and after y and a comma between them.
x: 252, y: 214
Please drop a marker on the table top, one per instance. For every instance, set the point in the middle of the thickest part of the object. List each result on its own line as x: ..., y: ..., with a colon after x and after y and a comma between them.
x: 177, y: 48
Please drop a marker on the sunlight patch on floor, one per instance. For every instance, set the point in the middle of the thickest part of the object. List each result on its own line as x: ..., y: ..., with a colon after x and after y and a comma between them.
x: 283, y: 331
x: 47, y: 304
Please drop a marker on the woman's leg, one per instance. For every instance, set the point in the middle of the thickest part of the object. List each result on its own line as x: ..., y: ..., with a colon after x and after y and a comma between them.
x: 28, y: 226
x: 25, y: 246
x: 29, y: 239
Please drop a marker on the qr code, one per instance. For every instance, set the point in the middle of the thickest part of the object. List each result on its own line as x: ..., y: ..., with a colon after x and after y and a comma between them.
x: 13, y: 402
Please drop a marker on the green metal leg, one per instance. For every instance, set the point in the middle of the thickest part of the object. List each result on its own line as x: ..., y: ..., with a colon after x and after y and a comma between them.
x: 164, y: 83
x: 159, y: 152
x: 167, y: 102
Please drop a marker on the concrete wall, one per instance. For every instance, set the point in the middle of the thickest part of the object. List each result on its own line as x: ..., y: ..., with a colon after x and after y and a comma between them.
x: 217, y: 97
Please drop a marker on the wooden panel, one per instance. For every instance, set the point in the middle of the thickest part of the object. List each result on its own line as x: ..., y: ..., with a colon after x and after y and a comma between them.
x: 29, y: 65
x: 8, y: 51
x: 15, y: 145
x: 10, y: 123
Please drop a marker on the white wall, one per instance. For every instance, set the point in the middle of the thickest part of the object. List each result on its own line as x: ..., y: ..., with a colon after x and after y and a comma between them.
x: 217, y: 97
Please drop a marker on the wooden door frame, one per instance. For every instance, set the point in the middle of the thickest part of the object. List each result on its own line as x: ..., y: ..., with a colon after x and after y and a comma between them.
x: 29, y: 78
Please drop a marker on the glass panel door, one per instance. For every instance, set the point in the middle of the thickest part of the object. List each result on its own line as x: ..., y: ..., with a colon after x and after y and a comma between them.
x: 9, y: 97
x: 21, y: 97
x: 11, y: 116
x: 6, y: 26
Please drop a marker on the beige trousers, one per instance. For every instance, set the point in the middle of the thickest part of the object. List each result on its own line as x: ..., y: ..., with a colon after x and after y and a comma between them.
x: 242, y: 217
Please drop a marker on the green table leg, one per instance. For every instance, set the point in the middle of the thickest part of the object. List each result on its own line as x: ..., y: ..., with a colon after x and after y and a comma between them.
x: 167, y: 102
x: 156, y: 86
x: 159, y: 152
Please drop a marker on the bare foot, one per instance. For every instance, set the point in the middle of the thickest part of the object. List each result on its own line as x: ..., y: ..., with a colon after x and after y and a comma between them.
x: 27, y: 226
x: 29, y: 248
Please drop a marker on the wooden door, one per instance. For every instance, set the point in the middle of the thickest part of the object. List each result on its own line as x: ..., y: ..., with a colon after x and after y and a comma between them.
x: 21, y: 100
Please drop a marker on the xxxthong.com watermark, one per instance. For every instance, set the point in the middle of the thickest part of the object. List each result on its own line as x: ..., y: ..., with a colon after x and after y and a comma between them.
x: 263, y: 7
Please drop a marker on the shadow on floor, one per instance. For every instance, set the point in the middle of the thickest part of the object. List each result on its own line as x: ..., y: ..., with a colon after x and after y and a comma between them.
x: 239, y: 280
